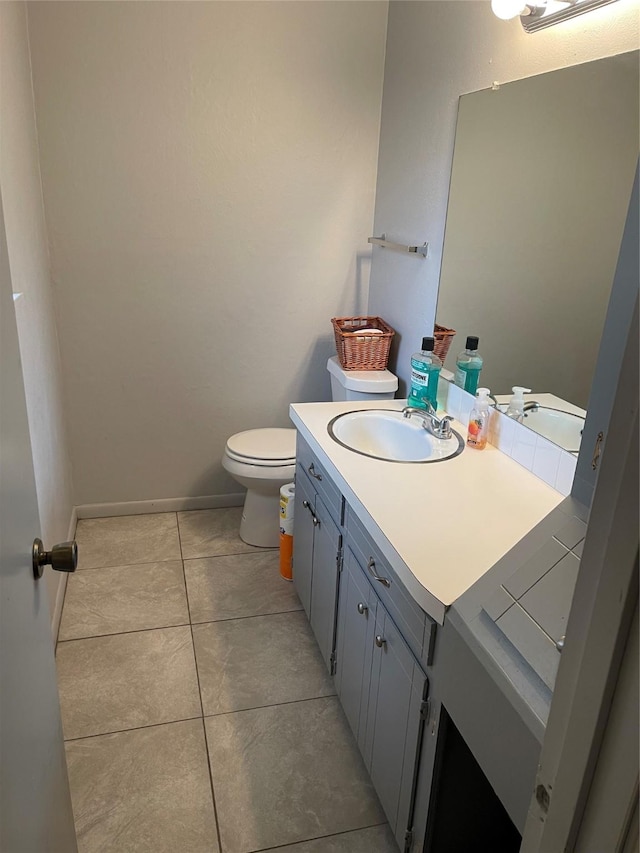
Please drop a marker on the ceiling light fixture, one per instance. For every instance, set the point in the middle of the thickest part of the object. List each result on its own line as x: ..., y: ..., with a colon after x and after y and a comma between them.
x: 544, y: 13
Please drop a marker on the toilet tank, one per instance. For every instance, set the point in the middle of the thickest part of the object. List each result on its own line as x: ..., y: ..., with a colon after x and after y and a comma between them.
x: 360, y: 384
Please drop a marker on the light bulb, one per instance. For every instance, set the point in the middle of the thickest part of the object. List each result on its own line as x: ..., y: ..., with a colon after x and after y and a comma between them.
x: 507, y: 9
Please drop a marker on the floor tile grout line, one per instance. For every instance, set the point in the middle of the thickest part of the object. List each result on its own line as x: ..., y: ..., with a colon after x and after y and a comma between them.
x: 249, y: 616
x: 176, y: 625
x: 231, y: 554
x: 213, y: 793
x: 133, y: 729
x: 82, y: 569
x: 121, y: 633
x: 193, y: 644
x: 126, y: 631
x: 175, y: 560
x: 272, y: 705
x: 204, y: 728
x: 319, y: 837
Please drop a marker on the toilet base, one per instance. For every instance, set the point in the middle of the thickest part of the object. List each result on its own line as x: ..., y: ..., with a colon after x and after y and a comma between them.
x: 260, y: 520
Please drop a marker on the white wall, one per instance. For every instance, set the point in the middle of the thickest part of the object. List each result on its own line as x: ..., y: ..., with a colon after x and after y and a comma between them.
x: 209, y: 176
x: 29, y: 265
x: 437, y: 51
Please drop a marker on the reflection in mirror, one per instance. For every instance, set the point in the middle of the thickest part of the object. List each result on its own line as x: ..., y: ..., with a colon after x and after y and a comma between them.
x: 540, y: 186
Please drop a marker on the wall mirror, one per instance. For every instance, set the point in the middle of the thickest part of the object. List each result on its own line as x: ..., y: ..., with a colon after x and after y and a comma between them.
x: 540, y: 186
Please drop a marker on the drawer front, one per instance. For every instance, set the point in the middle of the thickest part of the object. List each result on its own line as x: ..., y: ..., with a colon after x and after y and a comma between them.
x: 316, y: 473
x: 416, y: 626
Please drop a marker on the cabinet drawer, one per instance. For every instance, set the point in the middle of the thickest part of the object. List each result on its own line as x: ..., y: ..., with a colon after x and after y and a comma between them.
x: 417, y: 628
x: 323, y: 485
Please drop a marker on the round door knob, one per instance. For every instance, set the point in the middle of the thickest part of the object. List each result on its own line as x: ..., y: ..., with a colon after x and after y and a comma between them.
x: 380, y: 641
x: 62, y: 557
x: 362, y: 609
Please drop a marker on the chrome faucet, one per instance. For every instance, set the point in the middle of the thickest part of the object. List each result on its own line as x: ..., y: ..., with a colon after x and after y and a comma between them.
x: 531, y: 406
x: 435, y: 426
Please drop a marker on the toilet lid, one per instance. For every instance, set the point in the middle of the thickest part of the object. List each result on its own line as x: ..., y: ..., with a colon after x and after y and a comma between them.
x: 270, y: 446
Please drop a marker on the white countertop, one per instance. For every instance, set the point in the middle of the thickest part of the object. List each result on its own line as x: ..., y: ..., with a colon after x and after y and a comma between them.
x: 441, y: 525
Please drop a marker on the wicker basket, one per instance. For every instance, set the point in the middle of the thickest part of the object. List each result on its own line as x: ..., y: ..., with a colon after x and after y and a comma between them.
x: 358, y: 350
x: 443, y: 338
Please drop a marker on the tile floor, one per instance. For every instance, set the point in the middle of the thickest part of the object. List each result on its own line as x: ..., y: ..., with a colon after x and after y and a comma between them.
x: 197, y: 711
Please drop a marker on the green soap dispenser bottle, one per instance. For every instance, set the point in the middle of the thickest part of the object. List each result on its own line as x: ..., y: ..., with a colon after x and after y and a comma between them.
x: 425, y: 372
x: 468, y: 366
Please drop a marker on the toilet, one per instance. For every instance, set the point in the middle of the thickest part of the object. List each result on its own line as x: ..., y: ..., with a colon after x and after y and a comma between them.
x: 263, y: 460
x: 360, y: 384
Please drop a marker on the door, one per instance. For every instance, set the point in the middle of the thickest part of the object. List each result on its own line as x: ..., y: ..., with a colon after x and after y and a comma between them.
x: 356, y: 613
x: 35, y: 806
x: 304, y: 521
x: 394, y: 723
x: 327, y: 544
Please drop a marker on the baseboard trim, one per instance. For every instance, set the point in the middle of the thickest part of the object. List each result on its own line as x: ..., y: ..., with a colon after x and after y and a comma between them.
x: 62, y: 582
x: 163, y: 505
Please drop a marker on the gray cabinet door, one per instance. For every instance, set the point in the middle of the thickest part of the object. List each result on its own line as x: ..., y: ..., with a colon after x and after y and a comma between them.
x: 304, y: 513
x: 394, y: 722
x: 354, y: 644
x: 327, y: 544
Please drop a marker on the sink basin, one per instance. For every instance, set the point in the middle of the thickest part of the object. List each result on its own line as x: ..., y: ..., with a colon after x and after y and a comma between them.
x: 385, y: 434
x: 563, y: 428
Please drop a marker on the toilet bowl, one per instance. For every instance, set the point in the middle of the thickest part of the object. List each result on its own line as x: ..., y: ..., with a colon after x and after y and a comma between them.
x: 263, y: 460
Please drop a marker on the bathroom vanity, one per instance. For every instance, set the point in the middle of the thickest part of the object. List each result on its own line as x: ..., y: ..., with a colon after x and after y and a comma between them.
x: 382, y: 551
x: 439, y: 592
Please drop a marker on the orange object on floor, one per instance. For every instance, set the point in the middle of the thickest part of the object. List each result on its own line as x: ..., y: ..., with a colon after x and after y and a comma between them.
x: 286, y: 530
x: 286, y: 556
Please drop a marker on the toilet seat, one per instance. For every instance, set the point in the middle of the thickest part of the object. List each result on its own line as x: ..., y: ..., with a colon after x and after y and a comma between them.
x: 265, y: 448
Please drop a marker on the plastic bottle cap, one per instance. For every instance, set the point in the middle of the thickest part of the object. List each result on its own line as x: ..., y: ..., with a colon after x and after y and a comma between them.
x: 428, y: 344
x: 472, y: 342
x: 482, y: 393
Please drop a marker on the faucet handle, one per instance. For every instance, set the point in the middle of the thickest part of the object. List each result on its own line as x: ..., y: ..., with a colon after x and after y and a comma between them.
x: 444, y: 430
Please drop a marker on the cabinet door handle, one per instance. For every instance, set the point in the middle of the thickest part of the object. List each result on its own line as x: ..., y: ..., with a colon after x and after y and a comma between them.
x: 597, y: 450
x: 314, y: 517
x: 312, y: 471
x: 371, y: 565
x: 362, y: 609
x: 380, y: 641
